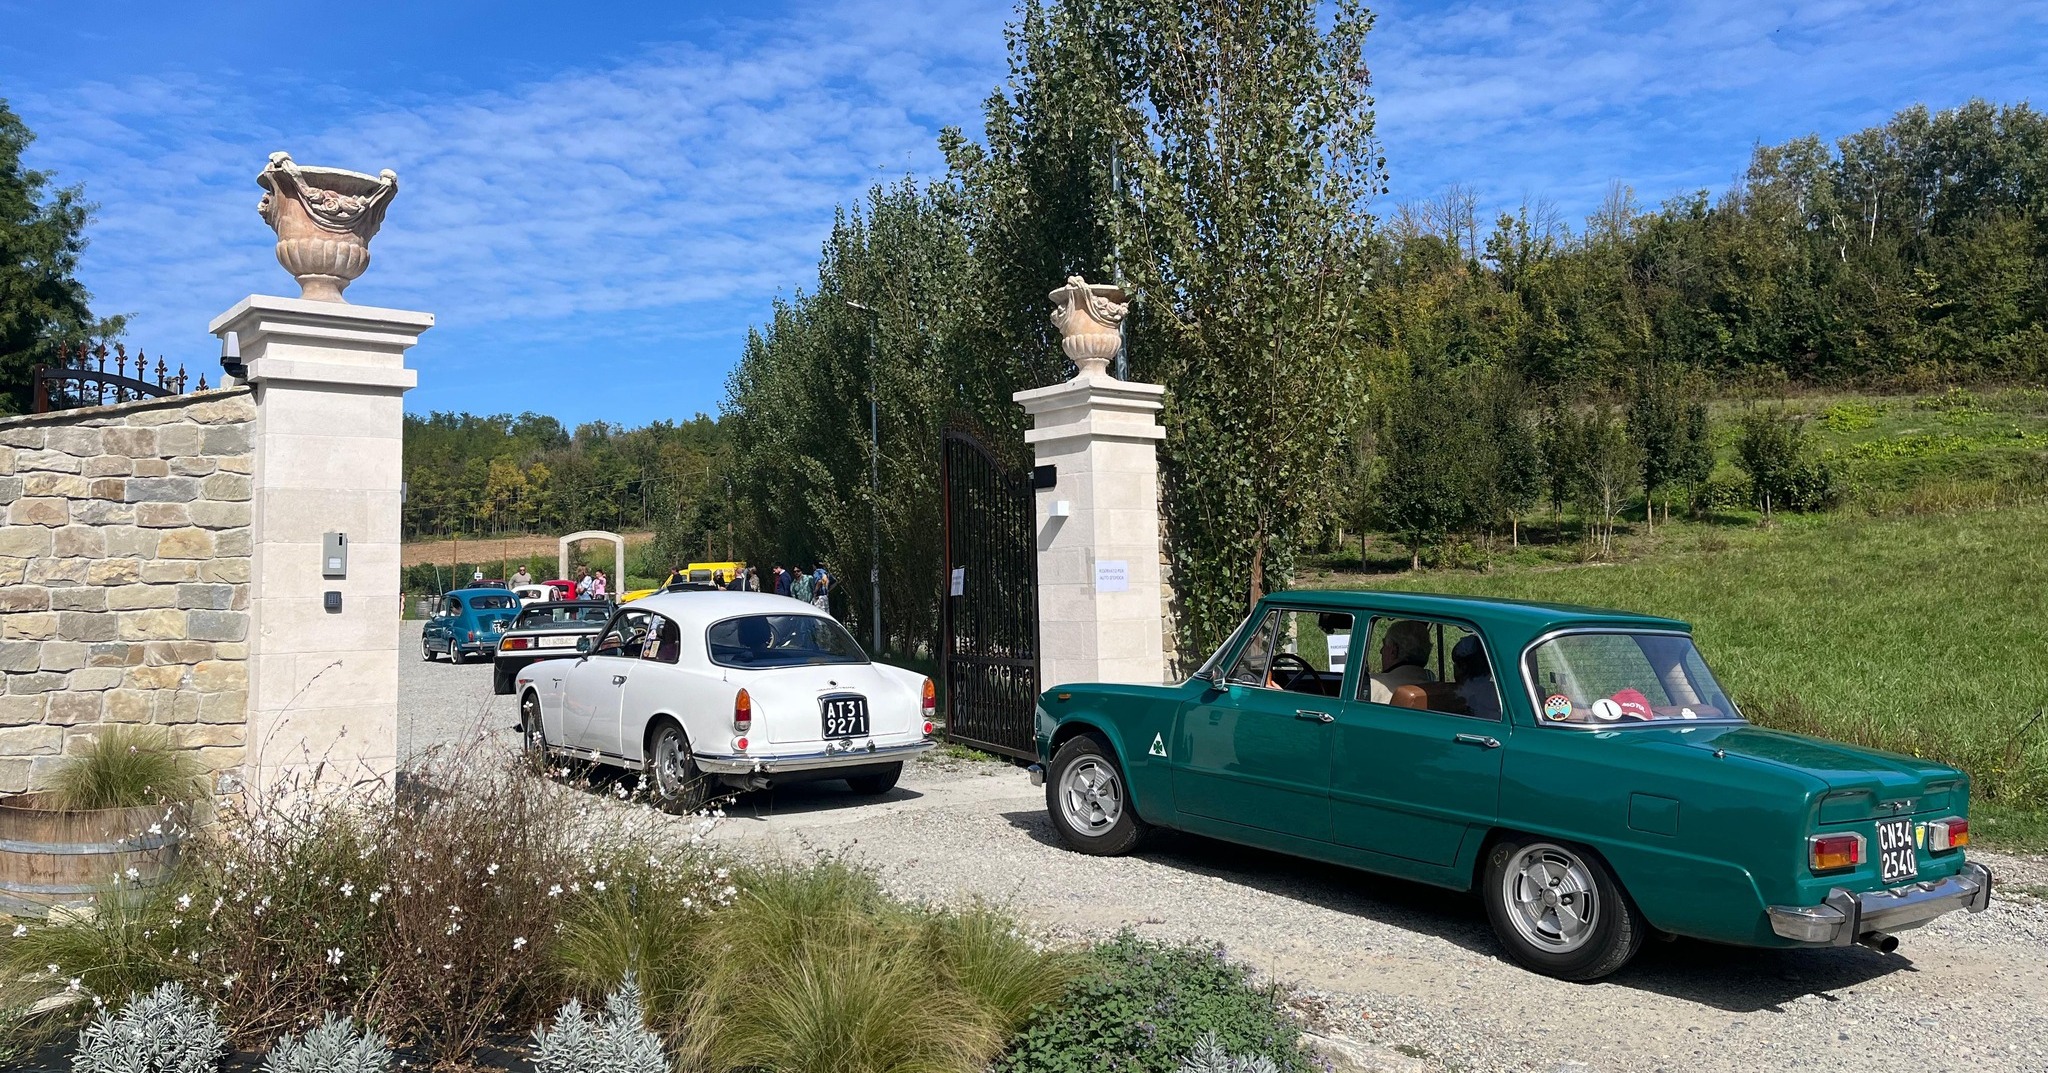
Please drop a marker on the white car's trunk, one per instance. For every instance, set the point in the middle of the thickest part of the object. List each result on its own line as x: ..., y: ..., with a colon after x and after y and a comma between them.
x: 787, y: 711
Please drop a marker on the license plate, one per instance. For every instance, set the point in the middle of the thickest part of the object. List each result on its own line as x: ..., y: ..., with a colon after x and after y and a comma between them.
x: 1896, y: 855
x: 557, y: 642
x: 844, y: 717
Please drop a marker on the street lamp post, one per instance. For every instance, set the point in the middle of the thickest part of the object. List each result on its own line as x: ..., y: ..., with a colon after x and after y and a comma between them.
x: 874, y: 479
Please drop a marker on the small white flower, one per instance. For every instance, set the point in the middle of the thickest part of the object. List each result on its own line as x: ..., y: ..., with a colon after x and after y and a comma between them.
x: 184, y: 902
x: 156, y: 828
x: 193, y: 957
x: 376, y: 896
x: 519, y: 943
x: 598, y: 886
x: 228, y: 981
x: 334, y: 955
x: 491, y: 870
x: 73, y: 985
x: 555, y: 891
x: 348, y: 890
x: 132, y: 875
x: 20, y: 930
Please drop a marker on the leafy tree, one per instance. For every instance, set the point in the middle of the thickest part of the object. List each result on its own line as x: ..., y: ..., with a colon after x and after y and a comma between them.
x: 1423, y: 489
x: 1782, y: 475
x: 42, y: 304
x: 1667, y: 421
x: 1610, y: 468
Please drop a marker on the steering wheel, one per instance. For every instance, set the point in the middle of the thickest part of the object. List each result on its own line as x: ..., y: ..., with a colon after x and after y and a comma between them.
x: 1295, y: 669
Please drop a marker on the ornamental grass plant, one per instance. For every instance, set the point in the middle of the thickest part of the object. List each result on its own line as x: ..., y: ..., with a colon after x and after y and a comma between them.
x: 127, y: 767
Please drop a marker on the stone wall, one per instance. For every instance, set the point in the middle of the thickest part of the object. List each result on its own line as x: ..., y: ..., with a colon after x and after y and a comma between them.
x: 124, y: 577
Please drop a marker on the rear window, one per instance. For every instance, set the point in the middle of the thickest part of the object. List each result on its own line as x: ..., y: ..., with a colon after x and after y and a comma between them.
x: 756, y: 641
x: 550, y: 616
x: 493, y: 603
x: 1624, y: 677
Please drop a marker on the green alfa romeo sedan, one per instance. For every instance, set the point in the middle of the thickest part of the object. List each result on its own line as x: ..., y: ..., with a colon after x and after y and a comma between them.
x: 1582, y: 768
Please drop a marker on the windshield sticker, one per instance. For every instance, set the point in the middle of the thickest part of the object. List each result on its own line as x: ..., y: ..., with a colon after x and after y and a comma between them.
x: 1557, y: 706
x: 1606, y: 710
x: 1688, y: 713
x: 1158, y: 745
x: 1634, y: 704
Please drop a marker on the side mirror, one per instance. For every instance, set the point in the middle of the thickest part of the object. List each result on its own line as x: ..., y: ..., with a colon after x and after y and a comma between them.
x: 1216, y: 678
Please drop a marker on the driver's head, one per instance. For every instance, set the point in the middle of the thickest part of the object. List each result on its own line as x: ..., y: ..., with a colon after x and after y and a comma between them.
x: 754, y: 633
x: 1469, y: 659
x: 1407, y: 643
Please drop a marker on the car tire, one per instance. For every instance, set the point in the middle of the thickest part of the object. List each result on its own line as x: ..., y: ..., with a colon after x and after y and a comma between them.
x: 426, y: 650
x: 1558, y: 909
x: 674, y: 778
x: 533, y: 733
x: 502, y: 682
x: 877, y: 784
x: 1089, y: 800
x: 456, y: 656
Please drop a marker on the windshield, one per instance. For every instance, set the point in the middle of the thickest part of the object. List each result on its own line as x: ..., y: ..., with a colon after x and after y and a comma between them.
x: 494, y: 603
x: 781, y: 641
x: 1621, y: 677
x: 548, y: 616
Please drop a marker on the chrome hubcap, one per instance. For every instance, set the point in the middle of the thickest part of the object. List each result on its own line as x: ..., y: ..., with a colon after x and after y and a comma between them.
x: 529, y: 718
x: 1091, y: 796
x: 668, y: 763
x: 1551, y: 898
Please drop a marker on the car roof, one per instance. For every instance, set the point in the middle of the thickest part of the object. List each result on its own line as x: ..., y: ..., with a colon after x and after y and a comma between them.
x: 696, y: 610
x: 1488, y: 612
x: 539, y: 605
x: 482, y: 590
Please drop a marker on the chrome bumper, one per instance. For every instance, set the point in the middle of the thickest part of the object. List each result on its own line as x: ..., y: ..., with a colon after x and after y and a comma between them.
x: 831, y: 758
x: 1842, y: 917
x: 1037, y: 774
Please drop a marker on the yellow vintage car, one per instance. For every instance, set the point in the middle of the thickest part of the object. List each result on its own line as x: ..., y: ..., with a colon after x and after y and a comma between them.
x: 697, y: 577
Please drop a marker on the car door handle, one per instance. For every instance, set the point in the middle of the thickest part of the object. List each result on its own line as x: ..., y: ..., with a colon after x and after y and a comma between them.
x: 618, y: 679
x: 1480, y: 740
x: 1320, y: 717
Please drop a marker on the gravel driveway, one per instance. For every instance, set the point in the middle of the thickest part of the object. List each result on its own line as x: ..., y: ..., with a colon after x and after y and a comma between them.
x: 1410, y: 969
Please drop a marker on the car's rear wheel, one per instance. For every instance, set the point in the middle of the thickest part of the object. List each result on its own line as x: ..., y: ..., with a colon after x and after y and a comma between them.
x: 1558, y: 909
x: 533, y: 736
x: 877, y: 783
x: 455, y: 654
x: 677, y: 782
x: 1089, y: 800
x: 502, y: 679
x: 426, y: 650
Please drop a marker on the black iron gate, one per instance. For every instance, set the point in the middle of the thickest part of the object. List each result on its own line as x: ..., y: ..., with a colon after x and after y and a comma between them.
x: 988, y: 649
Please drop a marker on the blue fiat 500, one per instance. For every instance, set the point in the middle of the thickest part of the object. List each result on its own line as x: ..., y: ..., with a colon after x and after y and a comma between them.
x: 469, y: 623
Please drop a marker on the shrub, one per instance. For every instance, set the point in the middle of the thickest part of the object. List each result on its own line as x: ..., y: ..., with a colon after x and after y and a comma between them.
x: 336, y: 1046
x: 1141, y: 1006
x: 1849, y: 417
x: 128, y: 767
x: 1772, y: 451
x: 1210, y: 1057
x: 165, y: 1031
x: 615, y: 1042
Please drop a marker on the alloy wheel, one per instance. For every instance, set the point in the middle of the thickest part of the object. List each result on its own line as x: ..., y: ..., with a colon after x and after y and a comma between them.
x: 1091, y: 796
x: 1550, y: 897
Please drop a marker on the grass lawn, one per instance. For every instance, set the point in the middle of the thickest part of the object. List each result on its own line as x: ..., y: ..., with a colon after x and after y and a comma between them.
x: 1919, y: 634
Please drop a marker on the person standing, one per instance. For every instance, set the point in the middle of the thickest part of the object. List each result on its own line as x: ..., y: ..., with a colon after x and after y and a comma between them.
x: 522, y: 577
x: 800, y: 587
x: 597, y: 586
x: 821, y: 595
x: 753, y: 579
x: 676, y: 575
x: 583, y: 584
x: 781, y: 581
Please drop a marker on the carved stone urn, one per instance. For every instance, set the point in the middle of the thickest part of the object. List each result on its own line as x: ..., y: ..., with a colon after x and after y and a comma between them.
x: 324, y: 219
x: 1088, y: 316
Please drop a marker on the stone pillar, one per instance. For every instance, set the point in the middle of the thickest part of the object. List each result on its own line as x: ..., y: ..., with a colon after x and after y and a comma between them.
x: 1098, y: 530
x: 329, y: 380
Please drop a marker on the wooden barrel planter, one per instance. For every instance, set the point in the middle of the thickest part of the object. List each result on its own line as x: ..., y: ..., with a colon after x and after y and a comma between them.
x: 52, y: 858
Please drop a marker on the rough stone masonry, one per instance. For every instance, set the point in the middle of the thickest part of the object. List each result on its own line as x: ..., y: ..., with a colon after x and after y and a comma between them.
x: 124, y: 577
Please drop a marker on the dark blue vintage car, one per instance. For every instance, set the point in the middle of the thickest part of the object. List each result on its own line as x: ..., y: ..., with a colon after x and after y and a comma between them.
x: 469, y: 623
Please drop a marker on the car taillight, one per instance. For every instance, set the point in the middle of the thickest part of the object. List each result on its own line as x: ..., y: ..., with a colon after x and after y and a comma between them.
x: 931, y: 699
x: 1834, y: 853
x: 472, y: 635
x: 1948, y: 834
x: 513, y: 644
x: 740, y: 744
x: 742, y: 714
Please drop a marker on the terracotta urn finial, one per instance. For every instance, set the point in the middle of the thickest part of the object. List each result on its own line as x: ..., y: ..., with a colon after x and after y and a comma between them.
x: 1089, y: 316
x: 324, y: 219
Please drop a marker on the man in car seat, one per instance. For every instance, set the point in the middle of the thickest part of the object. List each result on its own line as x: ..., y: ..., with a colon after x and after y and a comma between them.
x: 754, y: 635
x: 1404, y: 658
x: 1475, y: 678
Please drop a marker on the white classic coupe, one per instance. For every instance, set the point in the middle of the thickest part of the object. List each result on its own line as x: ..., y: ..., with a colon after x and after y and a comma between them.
x: 745, y: 690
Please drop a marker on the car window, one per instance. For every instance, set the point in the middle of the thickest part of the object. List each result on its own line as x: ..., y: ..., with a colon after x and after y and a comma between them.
x: 625, y: 636
x: 664, y: 643
x: 758, y: 641
x: 1296, y: 650
x: 1624, y: 677
x: 454, y: 606
x: 1430, y: 665
x: 494, y: 603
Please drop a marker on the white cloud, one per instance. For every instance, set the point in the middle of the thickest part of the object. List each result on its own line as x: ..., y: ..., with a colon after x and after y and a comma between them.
x: 654, y: 205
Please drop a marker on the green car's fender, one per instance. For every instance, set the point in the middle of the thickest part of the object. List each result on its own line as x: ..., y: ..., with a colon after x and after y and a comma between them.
x: 1130, y: 718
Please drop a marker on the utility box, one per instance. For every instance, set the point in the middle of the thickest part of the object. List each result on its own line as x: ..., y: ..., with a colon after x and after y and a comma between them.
x: 334, y: 555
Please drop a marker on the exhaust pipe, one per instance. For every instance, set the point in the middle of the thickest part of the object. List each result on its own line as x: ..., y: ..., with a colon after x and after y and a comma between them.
x: 1879, y: 941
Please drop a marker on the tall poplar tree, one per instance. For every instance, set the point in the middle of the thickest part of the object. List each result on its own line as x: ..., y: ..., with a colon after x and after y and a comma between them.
x: 42, y: 232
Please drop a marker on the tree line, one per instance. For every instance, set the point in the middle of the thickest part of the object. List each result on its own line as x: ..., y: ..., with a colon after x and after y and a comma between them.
x: 1415, y: 370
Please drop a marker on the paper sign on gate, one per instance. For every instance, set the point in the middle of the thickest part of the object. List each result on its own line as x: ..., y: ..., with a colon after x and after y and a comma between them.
x: 959, y: 580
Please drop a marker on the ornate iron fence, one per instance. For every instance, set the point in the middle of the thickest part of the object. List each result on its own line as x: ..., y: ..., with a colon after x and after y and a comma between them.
x: 988, y: 654
x: 82, y: 379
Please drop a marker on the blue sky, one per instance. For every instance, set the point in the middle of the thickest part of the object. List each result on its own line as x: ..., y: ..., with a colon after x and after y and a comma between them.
x: 598, y: 200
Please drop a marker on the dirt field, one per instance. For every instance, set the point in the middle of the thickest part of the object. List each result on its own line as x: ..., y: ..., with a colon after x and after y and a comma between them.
x: 489, y: 548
